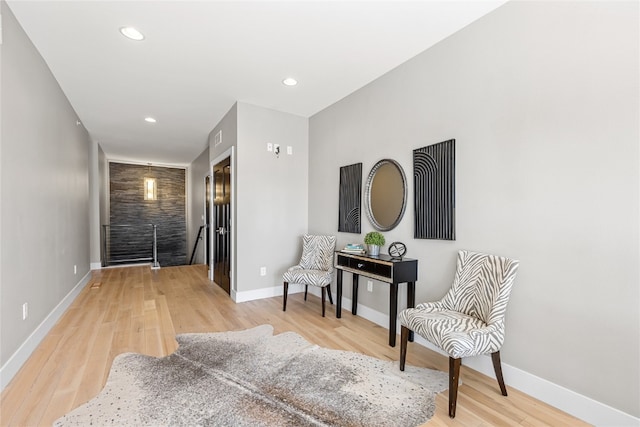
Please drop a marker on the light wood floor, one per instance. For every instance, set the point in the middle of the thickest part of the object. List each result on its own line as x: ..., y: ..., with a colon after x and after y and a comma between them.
x: 138, y: 310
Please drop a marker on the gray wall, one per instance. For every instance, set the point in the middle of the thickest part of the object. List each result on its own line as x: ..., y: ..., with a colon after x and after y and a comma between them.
x: 198, y: 170
x: 45, y: 190
x: 542, y: 99
x: 94, y: 204
x: 271, y: 193
x: 229, y: 127
x: 168, y: 212
x: 103, y: 191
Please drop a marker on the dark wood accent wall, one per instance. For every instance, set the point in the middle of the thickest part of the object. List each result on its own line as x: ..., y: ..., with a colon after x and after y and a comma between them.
x: 168, y: 212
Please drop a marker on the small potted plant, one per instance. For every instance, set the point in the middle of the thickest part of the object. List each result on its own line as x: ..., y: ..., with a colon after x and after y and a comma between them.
x: 374, y: 240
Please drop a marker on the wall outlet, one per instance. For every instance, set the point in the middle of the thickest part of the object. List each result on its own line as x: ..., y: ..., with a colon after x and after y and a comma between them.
x: 263, y: 271
x: 75, y: 269
x: 369, y: 286
x: 269, y: 146
x: 289, y: 150
x: 25, y: 311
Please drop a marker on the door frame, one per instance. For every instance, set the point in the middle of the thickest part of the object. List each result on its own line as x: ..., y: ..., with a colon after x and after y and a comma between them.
x: 207, y: 223
x: 230, y: 152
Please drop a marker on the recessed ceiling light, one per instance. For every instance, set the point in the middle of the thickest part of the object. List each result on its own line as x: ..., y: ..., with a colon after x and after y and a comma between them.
x: 289, y: 81
x: 150, y: 119
x: 132, y: 33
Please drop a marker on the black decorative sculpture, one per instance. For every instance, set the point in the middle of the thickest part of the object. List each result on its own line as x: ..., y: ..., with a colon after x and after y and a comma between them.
x: 397, y: 250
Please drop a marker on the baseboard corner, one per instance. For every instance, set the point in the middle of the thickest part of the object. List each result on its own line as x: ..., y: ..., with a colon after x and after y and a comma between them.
x: 274, y: 291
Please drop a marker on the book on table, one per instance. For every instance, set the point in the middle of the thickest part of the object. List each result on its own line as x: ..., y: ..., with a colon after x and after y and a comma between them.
x: 354, y: 248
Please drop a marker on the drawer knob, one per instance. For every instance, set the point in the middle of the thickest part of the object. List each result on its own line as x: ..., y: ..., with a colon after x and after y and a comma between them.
x: 360, y: 265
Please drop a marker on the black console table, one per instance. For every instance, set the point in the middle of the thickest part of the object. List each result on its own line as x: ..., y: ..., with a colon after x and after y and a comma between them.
x: 382, y: 268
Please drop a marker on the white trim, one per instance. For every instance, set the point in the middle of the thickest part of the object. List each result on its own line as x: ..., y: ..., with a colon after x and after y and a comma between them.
x: 209, y: 230
x: 17, y: 359
x: 187, y: 210
x: 569, y: 401
x: 578, y: 405
x: 205, y: 237
x: 96, y: 266
x: 262, y: 293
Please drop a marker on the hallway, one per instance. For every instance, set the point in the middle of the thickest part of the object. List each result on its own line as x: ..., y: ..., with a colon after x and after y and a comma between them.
x: 139, y: 310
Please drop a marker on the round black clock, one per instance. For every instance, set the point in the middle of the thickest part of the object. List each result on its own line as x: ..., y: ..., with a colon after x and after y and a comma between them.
x: 397, y: 250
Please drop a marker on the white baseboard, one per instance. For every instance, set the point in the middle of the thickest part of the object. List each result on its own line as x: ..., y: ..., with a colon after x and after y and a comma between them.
x: 566, y: 400
x: 580, y: 406
x: 17, y: 359
x: 262, y: 293
x: 95, y: 266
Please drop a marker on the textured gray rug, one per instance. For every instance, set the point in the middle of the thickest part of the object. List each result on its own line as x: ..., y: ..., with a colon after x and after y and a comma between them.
x: 253, y: 378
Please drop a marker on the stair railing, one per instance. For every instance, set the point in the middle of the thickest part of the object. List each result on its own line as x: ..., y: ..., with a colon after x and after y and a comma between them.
x: 195, y: 246
x: 129, y: 244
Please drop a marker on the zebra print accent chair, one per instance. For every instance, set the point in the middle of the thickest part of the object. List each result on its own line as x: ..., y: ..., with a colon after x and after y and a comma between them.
x: 315, y: 267
x: 469, y: 319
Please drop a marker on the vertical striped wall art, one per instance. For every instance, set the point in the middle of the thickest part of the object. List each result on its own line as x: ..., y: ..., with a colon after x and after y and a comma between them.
x: 434, y: 186
x: 350, y: 198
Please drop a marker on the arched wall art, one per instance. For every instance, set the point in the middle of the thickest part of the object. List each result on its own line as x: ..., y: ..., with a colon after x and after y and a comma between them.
x: 350, y: 198
x: 434, y: 186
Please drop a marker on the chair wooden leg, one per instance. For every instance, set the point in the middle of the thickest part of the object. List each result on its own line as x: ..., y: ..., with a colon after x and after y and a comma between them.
x: 306, y: 288
x: 329, y: 294
x: 284, y: 296
x: 497, y: 367
x: 454, y: 375
x: 404, y: 337
x: 322, y: 291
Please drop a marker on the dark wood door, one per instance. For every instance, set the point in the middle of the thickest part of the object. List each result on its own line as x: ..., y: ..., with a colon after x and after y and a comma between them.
x: 222, y: 225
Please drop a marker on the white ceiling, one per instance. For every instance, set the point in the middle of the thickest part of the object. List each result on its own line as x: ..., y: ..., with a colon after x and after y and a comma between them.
x: 199, y: 57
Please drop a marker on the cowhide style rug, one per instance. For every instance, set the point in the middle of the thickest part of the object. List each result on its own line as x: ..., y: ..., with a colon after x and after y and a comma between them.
x: 253, y: 378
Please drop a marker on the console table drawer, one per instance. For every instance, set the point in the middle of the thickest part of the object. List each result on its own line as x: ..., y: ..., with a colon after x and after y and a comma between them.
x: 370, y: 267
x: 382, y: 268
x: 364, y: 266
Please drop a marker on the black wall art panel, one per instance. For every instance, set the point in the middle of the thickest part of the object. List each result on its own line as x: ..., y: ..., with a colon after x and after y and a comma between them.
x: 434, y: 184
x: 350, y: 198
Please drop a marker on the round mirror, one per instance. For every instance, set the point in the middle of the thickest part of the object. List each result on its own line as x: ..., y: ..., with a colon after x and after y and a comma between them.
x: 386, y: 194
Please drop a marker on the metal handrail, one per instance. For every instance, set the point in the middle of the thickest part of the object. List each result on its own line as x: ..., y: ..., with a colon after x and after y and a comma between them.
x: 198, y: 238
x: 127, y: 248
